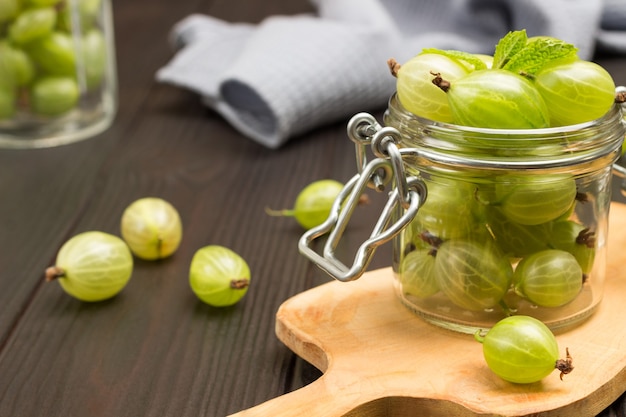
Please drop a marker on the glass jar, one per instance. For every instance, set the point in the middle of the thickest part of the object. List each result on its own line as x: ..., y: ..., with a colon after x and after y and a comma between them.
x: 515, y: 221
x: 57, y: 71
x: 484, y: 223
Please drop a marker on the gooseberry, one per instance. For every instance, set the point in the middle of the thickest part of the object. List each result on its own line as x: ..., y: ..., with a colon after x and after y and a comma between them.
x: 92, y: 266
x: 417, y: 273
x: 515, y: 239
x: 535, y: 199
x: 16, y: 67
x: 522, y: 349
x: 152, y: 228
x: 494, y: 99
x: 415, y: 90
x: 7, y: 103
x: 313, y: 204
x: 473, y: 275
x: 94, y: 56
x: 53, y: 96
x: 576, y: 239
x: 450, y: 211
x: 32, y: 24
x: 55, y: 54
x: 549, y: 278
x: 575, y: 91
x: 218, y: 276
x: 9, y: 9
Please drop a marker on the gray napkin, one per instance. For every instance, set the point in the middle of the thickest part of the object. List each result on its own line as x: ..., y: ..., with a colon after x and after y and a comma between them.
x: 289, y: 74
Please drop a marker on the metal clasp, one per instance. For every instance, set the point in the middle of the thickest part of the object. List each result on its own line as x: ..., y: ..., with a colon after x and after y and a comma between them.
x: 620, y: 170
x: 408, y: 194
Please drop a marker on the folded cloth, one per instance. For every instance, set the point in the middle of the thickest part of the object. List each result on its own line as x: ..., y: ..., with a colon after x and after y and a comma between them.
x: 289, y: 74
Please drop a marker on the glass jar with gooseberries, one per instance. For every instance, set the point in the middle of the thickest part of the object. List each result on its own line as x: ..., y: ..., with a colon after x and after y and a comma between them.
x: 515, y: 221
x: 57, y: 71
x: 484, y: 223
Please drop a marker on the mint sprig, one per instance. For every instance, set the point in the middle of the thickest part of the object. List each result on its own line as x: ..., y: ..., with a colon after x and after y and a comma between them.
x: 511, y: 44
x: 517, y: 53
x: 538, y: 53
x: 468, y: 60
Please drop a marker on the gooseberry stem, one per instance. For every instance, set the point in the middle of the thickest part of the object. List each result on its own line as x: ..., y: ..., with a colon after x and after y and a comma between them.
x: 440, y: 82
x: 239, y: 284
x: 479, y: 336
x: 565, y: 365
x: 53, y: 273
x: 586, y: 237
x: 394, y: 67
x: 434, y: 241
x: 279, y: 213
x: 506, y: 308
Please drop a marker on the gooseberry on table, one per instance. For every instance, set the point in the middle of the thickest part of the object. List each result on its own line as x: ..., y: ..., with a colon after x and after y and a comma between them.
x: 313, y: 203
x: 152, y: 228
x: 523, y: 350
x: 219, y: 276
x: 92, y: 266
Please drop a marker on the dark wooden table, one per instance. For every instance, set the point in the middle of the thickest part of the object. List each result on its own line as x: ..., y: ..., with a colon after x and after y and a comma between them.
x: 155, y: 350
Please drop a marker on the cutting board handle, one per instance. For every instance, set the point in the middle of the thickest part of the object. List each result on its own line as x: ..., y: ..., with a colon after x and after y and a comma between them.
x: 320, y: 398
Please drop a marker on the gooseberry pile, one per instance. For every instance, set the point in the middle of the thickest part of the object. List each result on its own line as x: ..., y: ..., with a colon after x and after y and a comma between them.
x: 508, y: 239
x: 528, y: 83
x: 46, y: 60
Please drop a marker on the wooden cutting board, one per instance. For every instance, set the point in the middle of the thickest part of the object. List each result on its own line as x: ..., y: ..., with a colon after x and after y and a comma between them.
x: 379, y: 359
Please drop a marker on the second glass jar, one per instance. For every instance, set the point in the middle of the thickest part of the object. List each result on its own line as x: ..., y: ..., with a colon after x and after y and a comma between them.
x: 57, y: 71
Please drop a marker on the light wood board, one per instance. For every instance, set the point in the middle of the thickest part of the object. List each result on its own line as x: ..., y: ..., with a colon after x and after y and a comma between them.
x: 379, y: 359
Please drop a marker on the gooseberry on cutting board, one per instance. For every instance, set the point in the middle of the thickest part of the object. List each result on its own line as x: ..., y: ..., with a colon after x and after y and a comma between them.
x: 522, y: 349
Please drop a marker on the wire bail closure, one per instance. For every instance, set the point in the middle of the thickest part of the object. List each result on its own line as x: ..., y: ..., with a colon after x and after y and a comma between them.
x: 408, y: 193
x: 620, y: 170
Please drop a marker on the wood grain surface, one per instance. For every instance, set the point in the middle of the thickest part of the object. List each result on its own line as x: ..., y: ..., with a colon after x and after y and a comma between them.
x: 155, y: 350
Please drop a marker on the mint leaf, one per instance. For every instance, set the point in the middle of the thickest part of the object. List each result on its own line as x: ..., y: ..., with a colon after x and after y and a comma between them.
x: 509, y: 46
x: 469, y: 61
x: 536, y: 54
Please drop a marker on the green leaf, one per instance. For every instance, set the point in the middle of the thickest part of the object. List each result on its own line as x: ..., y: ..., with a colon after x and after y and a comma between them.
x: 509, y: 46
x: 468, y: 60
x: 530, y: 59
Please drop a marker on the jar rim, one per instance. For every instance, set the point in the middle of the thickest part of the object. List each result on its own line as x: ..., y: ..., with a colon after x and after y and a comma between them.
x: 500, y: 148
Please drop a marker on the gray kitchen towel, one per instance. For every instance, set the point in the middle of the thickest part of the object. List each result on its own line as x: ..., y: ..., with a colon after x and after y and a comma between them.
x: 289, y: 74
